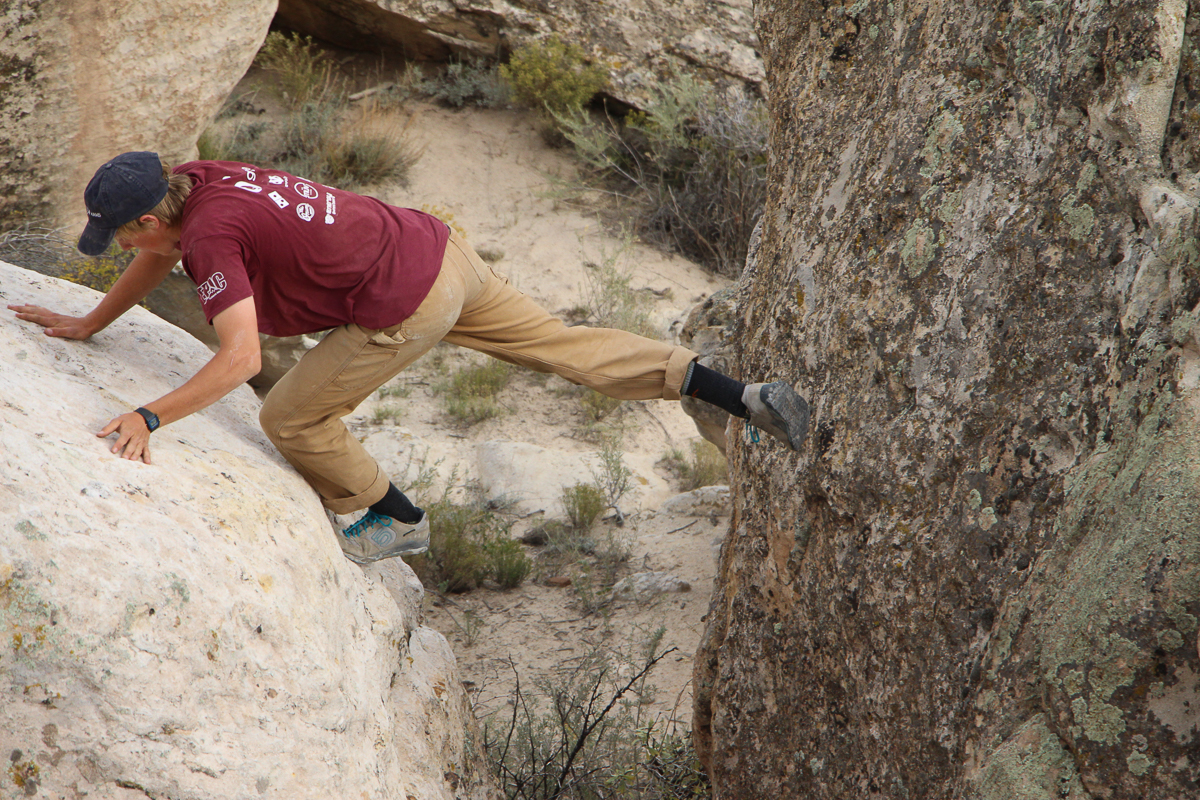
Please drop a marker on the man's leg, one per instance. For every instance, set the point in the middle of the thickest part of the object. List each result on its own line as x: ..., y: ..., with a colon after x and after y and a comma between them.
x: 302, y: 414
x: 506, y: 324
x: 773, y: 407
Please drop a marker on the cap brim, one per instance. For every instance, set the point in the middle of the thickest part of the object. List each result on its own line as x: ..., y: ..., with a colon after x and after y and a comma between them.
x: 95, y: 240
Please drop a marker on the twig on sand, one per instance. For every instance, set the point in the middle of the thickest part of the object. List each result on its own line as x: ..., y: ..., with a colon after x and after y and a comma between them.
x: 383, y: 87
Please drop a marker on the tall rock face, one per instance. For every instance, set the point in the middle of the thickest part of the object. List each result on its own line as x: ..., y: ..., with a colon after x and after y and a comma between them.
x: 81, y: 81
x: 639, y: 42
x: 190, y: 628
x: 979, y: 261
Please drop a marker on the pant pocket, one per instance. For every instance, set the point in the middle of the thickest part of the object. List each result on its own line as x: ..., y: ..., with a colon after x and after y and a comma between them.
x: 371, y: 368
x: 389, y: 336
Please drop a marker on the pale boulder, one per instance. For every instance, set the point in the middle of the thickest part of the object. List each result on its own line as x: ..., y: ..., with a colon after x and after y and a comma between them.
x: 85, y: 81
x: 643, y: 586
x: 703, y: 502
x: 190, y: 628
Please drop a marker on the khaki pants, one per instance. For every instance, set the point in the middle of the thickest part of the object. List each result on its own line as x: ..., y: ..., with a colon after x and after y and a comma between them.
x: 469, y: 305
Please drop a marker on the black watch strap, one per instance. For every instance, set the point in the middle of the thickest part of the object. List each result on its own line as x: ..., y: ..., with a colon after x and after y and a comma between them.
x: 150, y: 417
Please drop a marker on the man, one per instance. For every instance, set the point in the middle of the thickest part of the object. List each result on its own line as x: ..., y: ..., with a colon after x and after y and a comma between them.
x: 275, y: 253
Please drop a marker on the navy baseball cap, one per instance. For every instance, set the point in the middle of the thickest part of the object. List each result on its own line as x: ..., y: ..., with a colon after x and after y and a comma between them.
x: 122, y: 190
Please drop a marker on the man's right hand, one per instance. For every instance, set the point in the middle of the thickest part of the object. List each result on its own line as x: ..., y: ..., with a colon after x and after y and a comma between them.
x: 55, y: 324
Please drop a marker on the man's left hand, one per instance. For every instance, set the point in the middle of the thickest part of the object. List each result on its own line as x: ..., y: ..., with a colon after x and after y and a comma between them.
x: 133, y: 437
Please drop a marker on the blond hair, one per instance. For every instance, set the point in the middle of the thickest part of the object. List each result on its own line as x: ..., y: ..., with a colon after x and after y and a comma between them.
x: 170, y: 208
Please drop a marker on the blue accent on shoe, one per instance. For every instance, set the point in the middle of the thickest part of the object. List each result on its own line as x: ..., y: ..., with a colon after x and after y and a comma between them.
x: 368, y: 519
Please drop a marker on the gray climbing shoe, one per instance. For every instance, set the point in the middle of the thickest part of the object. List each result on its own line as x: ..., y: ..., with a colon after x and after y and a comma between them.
x: 375, y: 537
x: 778, y: 410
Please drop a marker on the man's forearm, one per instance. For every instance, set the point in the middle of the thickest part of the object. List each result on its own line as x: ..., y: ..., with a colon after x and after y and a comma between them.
x: 237, y: 361
x: 228, y: 369
x: 144, y: 273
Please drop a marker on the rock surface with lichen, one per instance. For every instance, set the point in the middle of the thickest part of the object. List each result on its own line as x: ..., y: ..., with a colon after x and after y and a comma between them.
x: 83, y: 81
x: 981, y: 579
x: 189, y: 628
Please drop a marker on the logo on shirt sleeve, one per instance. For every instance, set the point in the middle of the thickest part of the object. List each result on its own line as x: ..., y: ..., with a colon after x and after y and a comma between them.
x: 305, y: 212
x: 211, y: 287
x: 279, y: 201
x: 330, y: 208
x: 305, y: 190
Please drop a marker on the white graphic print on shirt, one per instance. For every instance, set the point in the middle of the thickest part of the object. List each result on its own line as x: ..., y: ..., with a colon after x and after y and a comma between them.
x: 305, y: 211
x: 211, y: 287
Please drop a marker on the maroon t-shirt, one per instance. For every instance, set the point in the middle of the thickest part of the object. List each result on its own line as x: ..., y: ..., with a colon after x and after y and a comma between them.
x: 312, y: 257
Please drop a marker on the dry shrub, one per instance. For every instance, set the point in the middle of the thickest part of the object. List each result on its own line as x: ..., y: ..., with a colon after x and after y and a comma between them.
x: 50, y: 252
x: 464, y: 83
x: 303, y: 72
x: 703, y: 466
x: 583, y: 735
x: 322, y: 137
x: 695, y: 162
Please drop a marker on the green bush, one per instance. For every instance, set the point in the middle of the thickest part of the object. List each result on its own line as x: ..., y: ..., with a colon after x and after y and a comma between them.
x: 471, y: 392
x: 319, y: 143
x: 509, y: 564
x: 612, y: 476
x: 388, y: 412
x: 552, y: 75
x: 469, y: 544
x: 394, y: 390
x: 695, y: 161
x: 457, y: 551
x: 584, y: 502
x: 99, y: 273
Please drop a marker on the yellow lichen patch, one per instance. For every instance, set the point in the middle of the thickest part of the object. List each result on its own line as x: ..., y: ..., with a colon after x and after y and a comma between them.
x: 23, y: 773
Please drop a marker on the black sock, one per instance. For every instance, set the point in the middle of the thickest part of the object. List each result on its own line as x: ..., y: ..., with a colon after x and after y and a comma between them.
x: 395, y: 505
x: 716, y: 389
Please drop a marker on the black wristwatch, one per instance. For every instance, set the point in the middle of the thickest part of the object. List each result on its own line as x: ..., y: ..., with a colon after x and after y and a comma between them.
x: 150, y: 417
